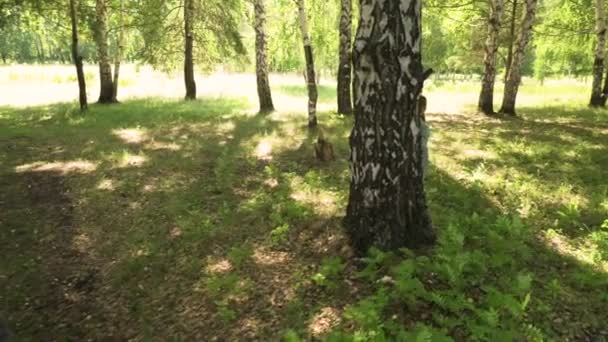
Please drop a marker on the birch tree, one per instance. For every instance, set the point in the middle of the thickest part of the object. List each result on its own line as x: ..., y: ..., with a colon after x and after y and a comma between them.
x: 486, y: 98
x: 311, y: 78
x: 261, y: 64
x: 105, y: 68
x: 514, y: 77
x: 345, y: 64
x: 387, y: 203
x: 82, y: 87
x: 597, y: 96
x: 189, y: 50
x: 119, y: 52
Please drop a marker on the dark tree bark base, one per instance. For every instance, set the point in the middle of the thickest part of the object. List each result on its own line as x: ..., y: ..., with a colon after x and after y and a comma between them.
x: 507, y: 111
x: 486, y: 109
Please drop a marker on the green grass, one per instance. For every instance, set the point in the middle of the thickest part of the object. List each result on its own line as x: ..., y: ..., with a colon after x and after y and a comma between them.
x: 162, y: 220
x: 327, y: 94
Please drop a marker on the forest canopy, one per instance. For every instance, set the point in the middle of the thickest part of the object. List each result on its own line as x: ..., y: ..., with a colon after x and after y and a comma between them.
x: 454, y: 35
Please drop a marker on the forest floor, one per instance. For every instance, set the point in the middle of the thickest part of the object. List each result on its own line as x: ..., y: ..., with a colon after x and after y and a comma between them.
x: 158, y: 219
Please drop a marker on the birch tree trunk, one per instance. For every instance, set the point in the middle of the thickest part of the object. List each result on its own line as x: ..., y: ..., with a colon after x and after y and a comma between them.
x: 387, y: 203
x: 311, y: 78
x: 605, y: 89
x: 344, y: 69
x: 82, y: 87
x: 105, y: 69
x: 261, y: 65
x: 189, y: 50
x: 486, y: 98
x: 118, y: 57
x: 511, y: 39
x: 514, y: 76
x: 597, y: 95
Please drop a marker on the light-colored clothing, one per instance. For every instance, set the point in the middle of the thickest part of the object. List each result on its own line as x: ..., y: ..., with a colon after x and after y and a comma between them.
x: 425, y: 133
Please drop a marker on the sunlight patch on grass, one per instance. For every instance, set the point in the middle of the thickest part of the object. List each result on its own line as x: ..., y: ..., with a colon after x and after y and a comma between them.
x: 126, y: 159
x: 76, y: 166
x: 106, y: 184
x: 264, y: 150
x: 323, y: 202
x: 266, y: 257
x: 584, y: 253
x: 131, y: 135
x: 215, y: 266
x: 324, y: 321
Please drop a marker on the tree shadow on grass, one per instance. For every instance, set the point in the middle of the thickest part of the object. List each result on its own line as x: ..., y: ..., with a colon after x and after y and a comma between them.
x: 167, y: 231
x: 554, y: 154
x: 124, y: 219
x: 568, y: 296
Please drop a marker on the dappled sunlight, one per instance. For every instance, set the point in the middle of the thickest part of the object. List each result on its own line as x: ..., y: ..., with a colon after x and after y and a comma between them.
x: 324, y: 202
x: 264, y: 150
x: 76, y: 166
x: 126, y: 159
x: 131, y: 135
x: 220, y: 224
x: 133, y: 161
x: 157, y: 145
x: 477, y: 153
x: 266, y: 257
x: 582, y: 252
x: 106, y: 184
x: 249, y: 327
x: 218, y: 265
x: 324, y: 321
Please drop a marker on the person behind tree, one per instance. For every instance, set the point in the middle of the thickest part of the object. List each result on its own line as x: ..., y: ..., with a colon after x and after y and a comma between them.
x: 425, y: 133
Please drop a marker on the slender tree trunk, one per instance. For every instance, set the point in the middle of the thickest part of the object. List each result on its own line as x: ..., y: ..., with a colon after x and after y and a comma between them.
x: 387, y: 204
x: 189, y: 60
x: 597, y: 96
x: 486, y: 98
x: 105, y: 68
x: 82, y: 87
x: 118, y: 56
x: 344, y: 69
x: 514, y: 76
x: 41, y: 52
x: 511, y: 39
x: 261, y: 65
x: 605, y: 89
x: 311, y: 78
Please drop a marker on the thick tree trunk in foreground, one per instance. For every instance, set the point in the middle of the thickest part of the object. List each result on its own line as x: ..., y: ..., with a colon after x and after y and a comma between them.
x: 597, y: 96
x: 261, y: 65
x: 486, y: 98
x: 514, y: 76
x: 511, y: 39
x: 345, y: 105
x: 82, y: 87
x: 118, y: 56
x: 189, y: 50
x: 105, y: 69
x: 311, y: 78
x: 387, y: 204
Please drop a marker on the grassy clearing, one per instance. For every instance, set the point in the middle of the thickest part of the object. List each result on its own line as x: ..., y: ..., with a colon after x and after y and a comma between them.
x: 327, y: 94
x: 160, y: 220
